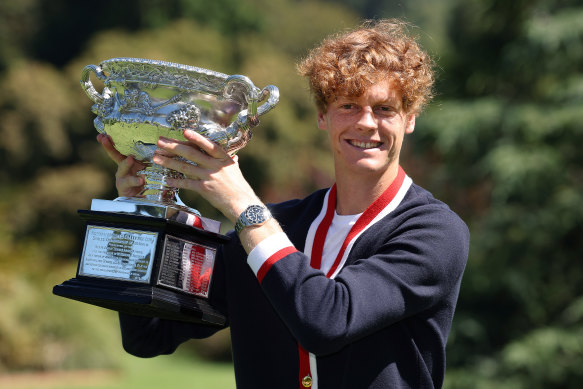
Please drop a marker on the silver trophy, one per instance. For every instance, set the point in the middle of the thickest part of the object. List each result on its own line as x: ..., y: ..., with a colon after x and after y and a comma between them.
x: 151, y: 254
x: 145, y: 99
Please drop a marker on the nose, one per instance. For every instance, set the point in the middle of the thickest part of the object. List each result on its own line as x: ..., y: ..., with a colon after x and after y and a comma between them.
x: 367, y: 120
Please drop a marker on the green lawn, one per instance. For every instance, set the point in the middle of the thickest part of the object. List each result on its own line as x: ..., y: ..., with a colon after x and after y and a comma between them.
x: 82, y: 336
x: 173, y: 371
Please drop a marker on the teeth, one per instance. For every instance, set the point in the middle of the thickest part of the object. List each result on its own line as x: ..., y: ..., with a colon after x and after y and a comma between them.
x: 365, y: 145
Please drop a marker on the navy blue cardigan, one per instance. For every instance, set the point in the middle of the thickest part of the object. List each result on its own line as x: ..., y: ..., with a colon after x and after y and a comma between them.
x: 382, y: 322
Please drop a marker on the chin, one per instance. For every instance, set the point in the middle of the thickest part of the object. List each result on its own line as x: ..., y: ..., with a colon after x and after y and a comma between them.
x: 369, y: 168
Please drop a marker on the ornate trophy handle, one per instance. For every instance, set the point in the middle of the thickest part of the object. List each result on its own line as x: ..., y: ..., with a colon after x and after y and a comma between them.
x: 249, y: 117
x: 87, y: 85
x: 273, y: 92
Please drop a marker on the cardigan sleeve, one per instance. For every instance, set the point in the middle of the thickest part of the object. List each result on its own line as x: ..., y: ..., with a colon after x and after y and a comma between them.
x: 399, y: 272
x: 151, y: 336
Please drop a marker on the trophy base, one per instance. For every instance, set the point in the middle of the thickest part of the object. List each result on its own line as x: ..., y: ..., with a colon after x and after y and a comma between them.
x: 147, y: 266
x: 140, y: 300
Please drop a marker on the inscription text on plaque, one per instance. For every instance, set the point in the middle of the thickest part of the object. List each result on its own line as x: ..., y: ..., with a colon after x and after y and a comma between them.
x: 118, y: 253
x: 187, y: 266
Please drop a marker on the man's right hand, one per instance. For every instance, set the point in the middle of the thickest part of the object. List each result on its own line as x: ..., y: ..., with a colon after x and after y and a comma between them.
x: 127, y: 181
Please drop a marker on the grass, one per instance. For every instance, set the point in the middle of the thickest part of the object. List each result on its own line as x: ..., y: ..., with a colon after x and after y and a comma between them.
x: 178, y: 371
x: 72, y: 345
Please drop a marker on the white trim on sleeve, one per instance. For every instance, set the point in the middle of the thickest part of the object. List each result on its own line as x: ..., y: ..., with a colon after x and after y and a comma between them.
x: 266, y: 248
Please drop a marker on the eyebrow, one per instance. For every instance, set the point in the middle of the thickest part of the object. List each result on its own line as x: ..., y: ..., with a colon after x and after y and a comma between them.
x: 390, y: 101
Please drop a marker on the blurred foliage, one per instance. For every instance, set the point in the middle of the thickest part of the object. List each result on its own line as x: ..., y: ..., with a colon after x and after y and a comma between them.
x: 500, y: 144
x: 53, y: 166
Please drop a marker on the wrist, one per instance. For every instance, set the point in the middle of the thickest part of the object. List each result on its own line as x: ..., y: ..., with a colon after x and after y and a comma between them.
x: 252, y: 216
x: 250, y: 237
x: 238, y: 206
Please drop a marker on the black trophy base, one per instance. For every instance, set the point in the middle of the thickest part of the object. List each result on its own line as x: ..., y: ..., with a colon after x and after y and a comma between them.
x: 140, y: 300
x: 146, y: 266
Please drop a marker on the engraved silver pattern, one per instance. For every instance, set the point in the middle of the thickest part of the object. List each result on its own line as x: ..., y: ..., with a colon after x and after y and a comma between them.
x: 144, y: 99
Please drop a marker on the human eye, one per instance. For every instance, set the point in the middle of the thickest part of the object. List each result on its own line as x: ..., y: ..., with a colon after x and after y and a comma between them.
x: 385, y: 110
x: 346, y: 106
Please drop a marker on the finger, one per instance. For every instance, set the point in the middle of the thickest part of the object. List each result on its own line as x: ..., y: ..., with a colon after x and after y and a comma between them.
x: 131, y: 184
x: 110, y: 149
x: 211, y: 148
x: 126, y: 182
x: 181, y: 183
x: 164, y: 153
x: 126, y: 167
x: 190, y: 170
x: 171, y: 148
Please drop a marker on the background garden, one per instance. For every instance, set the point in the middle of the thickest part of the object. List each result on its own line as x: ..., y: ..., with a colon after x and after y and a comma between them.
x: 502, y: 144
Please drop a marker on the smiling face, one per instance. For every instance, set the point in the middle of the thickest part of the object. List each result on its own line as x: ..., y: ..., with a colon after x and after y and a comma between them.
x: 366, y: 132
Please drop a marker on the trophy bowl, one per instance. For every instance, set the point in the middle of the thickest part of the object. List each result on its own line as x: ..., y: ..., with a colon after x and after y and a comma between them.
x: 144, y: 99
x: 151, y: 255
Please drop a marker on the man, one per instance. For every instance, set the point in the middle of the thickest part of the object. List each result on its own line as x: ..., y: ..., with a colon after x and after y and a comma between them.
x: 354, y: 286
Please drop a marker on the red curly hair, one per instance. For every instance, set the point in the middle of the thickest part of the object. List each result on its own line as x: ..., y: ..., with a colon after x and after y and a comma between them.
x: 346, y: 64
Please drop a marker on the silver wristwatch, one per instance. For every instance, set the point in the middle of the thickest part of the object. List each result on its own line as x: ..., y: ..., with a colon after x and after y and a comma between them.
x: 252, y: 216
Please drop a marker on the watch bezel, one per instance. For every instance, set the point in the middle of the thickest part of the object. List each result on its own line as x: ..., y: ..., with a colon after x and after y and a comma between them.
x: 253, y: 215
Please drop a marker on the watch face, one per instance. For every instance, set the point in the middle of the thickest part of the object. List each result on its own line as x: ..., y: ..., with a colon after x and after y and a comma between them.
x: 255, y: 214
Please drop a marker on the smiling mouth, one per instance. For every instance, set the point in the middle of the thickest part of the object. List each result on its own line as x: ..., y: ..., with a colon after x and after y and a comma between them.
x: 365, y: 145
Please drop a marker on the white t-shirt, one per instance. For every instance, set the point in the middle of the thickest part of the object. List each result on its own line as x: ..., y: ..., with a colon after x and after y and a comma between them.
x: 339, y: 229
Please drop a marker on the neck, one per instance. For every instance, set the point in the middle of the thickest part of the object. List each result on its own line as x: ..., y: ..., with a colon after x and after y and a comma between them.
x: 356, y: 194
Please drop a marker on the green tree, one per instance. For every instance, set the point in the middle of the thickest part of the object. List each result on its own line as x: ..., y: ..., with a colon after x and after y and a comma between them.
x: 502, y: 146
x: 52, y: 165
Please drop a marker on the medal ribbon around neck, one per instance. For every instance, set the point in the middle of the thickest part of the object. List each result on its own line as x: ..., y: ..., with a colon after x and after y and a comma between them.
x: 320, y: 237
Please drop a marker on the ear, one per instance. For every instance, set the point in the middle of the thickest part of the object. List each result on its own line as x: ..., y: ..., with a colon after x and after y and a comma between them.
x: 322, y: 121
x: 410, y: 125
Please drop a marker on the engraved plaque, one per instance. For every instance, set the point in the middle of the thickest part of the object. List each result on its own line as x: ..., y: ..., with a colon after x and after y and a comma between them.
x: 118, y: 253
x: 147, y: 266
x: 187, y: 266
